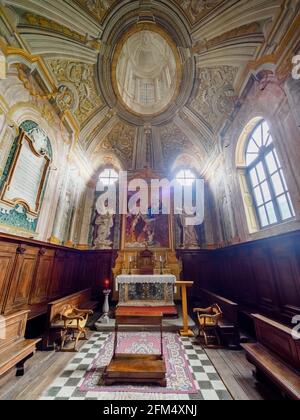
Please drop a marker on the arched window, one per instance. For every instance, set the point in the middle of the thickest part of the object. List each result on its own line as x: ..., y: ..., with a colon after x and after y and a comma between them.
x: 266, y: 178
x: 186, y: 177
x: 108, y: 177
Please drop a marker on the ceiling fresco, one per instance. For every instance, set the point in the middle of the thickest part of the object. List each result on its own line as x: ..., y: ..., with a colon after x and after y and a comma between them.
x: 215, y: 43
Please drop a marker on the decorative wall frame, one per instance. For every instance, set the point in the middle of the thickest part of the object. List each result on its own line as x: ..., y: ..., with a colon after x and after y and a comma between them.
x: 27, y: 194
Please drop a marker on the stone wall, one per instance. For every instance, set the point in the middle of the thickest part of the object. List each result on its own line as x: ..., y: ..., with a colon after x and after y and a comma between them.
x: 271, y: 102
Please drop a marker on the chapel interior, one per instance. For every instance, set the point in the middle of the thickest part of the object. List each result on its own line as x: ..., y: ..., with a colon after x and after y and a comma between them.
x: 144, y: 305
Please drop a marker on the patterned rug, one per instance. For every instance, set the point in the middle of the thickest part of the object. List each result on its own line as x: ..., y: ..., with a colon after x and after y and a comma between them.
x: 190, y: 374
x: 180, y: 378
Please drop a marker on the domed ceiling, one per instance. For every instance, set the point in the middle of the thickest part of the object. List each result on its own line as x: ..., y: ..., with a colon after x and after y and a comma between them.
x: 146, y: 73
x: 144, y: 82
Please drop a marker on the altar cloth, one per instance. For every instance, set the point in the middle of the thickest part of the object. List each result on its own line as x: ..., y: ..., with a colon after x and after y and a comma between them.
x: 146, y: 290
x: 131, y: 279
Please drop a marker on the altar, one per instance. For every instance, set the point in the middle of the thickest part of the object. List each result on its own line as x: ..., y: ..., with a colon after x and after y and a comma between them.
x: 146, y: 290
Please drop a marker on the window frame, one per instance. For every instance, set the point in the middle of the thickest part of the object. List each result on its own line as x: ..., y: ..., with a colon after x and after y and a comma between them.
x: 183, y: 180
x: 263, y: 152
x: 109, y: 178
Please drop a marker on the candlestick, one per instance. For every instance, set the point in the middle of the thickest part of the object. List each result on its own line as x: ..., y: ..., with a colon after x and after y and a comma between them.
x: 161, y: 266
x: 130, y: 261
x: 105, y: 317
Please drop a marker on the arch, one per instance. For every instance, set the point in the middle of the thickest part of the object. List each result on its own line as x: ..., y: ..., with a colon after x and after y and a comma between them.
x: 22, y: 112
x: 102, y: 160
x: 240, y: 155
x: 240, y: 163
x: 184, y: 161
x: 265, y: 194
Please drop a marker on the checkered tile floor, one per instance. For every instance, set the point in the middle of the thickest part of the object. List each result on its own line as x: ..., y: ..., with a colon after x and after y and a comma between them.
x: 67, y: 385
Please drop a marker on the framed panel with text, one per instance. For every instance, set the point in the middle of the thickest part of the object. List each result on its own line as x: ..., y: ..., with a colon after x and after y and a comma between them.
x: 27, y: 176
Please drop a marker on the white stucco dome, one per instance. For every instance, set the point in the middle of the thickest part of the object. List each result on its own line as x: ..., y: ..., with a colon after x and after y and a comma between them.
x: 146, y: 73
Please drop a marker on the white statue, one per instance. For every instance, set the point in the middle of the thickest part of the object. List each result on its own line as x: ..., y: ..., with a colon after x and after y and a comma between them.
x: 103, y: 226
x: 189, y: 234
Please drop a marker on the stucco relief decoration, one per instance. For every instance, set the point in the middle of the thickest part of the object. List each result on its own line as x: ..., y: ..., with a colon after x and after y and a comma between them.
x: 174, y: 143
x: 216, y: 95
x: 66, y: 99
x: 43, y: 22
x: 83, y: 92
x: 97, y: 8
x: 197, y: 9
x: 39, y: 139
x: 120, y: 141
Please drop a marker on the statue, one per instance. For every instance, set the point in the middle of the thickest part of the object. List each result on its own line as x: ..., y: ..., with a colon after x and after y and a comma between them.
x: 102, y: 229
x: 39, y: 139
x: 189, y: 237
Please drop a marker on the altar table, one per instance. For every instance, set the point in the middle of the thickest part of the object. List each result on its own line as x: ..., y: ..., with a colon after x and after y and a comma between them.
x: 146, y: 290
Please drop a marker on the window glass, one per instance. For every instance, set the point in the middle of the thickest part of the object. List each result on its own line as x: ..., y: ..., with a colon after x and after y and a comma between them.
x: 266, y: 178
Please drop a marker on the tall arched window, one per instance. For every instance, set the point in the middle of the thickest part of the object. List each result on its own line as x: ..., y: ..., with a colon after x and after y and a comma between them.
x: 266, y: 178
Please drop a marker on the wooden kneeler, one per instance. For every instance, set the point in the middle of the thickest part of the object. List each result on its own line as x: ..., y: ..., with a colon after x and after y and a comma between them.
x: 137, y: 368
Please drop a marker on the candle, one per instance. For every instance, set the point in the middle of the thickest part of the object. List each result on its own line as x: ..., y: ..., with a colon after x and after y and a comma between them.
x: 106, y: 283
x: 161, y: 259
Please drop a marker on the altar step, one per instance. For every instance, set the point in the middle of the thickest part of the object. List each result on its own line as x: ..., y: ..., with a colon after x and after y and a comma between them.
x: 169, y: 325
x: 167, y: 311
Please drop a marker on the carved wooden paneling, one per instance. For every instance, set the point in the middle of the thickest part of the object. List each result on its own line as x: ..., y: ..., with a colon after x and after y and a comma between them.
x: 267, y: 293
x: 22, y: 279
x: 70, y: 273
x: 41, y: 284
x: 7, y: 260
x: 287, y: 275
x: 263, y: 276
x: 34, y: 273
x: 57, y: 279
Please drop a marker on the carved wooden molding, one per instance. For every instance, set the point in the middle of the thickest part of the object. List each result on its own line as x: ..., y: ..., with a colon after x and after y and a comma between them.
x: 21, y: 250
x: 42, y: 252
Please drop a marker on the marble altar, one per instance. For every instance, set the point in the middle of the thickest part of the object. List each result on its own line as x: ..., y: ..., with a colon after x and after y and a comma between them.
x: 146, y: 290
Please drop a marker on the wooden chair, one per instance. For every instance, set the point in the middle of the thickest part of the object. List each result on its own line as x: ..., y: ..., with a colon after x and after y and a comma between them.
x: 74, y: 324
x: 208, y: 320
x: 55, y: 325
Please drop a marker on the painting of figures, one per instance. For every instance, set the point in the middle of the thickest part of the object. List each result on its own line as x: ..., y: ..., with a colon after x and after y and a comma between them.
x: 146, y: 230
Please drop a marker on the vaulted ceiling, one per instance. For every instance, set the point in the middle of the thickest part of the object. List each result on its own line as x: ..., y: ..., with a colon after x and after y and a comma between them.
x: 220, y: 44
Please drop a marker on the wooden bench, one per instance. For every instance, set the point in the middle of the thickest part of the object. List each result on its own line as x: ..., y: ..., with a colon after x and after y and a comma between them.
x: 15, y: 350
x: 276, y: 355
x: 80, y: 300
x: 228, y: 326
